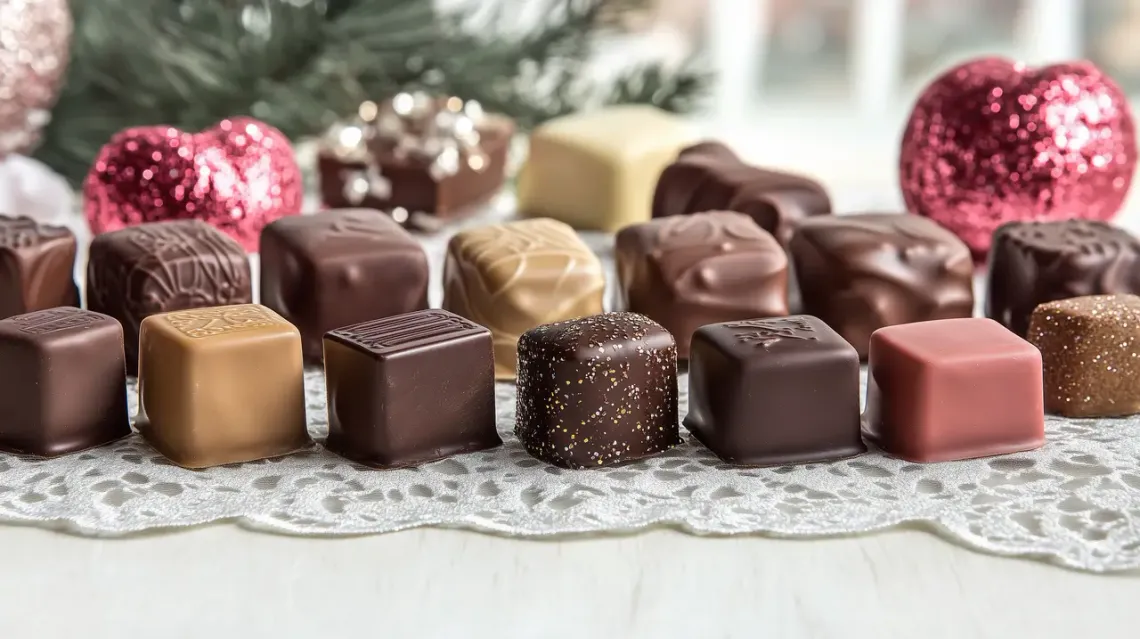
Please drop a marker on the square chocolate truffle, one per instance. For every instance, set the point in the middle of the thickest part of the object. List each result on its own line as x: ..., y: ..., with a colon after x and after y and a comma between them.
x: 953, y: 389
x: 410, y: 389
x: 1032, y: 263
x: 767, y: 392
x: 710, y: 177
x: 688, y: 271
x: 340, y: 267
x: 1090, y: 350
x: 37, y: 266
x: 154, y: 268
x: 598, y: 169
x: 597, y: 391
x: 63, y: 382
x: 860, y: 273
x: 221, y: 385
x: 515, y: 276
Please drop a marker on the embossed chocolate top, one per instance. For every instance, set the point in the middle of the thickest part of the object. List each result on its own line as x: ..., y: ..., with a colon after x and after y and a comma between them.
x: 21, y: 232
x: 55, y: 320
x: 36, y: 266
x: 405, y: 332
x: 344, y: 232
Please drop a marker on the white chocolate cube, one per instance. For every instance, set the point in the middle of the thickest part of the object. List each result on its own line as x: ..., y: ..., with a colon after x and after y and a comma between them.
x: 598, y: 170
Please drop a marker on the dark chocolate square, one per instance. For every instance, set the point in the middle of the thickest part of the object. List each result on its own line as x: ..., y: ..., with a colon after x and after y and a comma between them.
x: 37, y: 266
x: 597, y: 391
x: 339, y: 268
x: 410, y: 389
x: 1032, y: 263
x: 154, y: 268
x: 860, y: 273
x: 774, y: 391
x: 62, y: 382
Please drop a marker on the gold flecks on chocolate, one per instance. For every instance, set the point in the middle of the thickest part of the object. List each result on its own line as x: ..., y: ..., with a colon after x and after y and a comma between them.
x: 1090, y: 350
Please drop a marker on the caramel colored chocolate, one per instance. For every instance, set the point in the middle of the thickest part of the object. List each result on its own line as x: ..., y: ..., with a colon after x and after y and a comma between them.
x: 36, y: 267
x: 221, y: 385
x: 516, y: 276
x: 710, y: 177
x: 692, y: 270
x: 1090, y: 350
x: 953, y: 389
x: 598, y: 169
x: 860, y: 273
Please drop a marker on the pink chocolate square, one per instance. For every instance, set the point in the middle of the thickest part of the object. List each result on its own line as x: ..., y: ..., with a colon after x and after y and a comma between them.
x: 953, y: 389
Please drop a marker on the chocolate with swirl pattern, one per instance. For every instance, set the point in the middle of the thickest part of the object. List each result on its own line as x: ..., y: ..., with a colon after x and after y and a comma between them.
x: 36, y: 267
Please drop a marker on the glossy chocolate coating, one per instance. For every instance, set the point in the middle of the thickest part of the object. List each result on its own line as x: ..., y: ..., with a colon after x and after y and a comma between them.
x: 1032, y: 263
x: 710, y: 177
x: 37, y: 266
x: 688, y: 271
x: 597, y: 391
x: 953, y: 389
x: 62, y: 382
x: 154, y: 268
x: 340, y: 267
x: 221, y: 385
x: 774, y: 391
x: 860, y: 273
x: 410, y: 389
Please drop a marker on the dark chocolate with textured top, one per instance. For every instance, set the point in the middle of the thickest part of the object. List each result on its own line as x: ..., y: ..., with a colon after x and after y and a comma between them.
x: 410, y: 389
x: 37, y: 264
x: 597, y: 391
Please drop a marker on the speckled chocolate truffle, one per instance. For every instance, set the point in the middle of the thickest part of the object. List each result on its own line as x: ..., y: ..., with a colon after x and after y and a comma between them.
x: 1090, y: 350
x: 597, y: 391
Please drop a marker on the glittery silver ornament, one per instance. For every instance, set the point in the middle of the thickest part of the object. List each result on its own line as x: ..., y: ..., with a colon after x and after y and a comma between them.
x: 34, y: 38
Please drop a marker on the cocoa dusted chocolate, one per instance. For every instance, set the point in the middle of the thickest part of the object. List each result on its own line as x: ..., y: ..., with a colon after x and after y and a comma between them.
x: 410, y: 389
x: 63, y: 382
x: 338, y: 268
x: 775, y: 391
x: 953, y: 389
x: 860, y: 273
x: 688, y: 271
x: 597, y: 391
x: 1032, y: 263
x: 37, y: 264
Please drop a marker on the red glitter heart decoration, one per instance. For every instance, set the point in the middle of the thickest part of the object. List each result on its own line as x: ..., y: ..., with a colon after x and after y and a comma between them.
x: 239, y: 176
x: 992, y: 141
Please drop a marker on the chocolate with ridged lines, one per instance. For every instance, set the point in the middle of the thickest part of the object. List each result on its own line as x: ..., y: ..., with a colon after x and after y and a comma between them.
x: 36, y: 266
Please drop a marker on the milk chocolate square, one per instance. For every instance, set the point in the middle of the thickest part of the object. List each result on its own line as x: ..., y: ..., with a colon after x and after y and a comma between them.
x: 340, y: 267
x: 63, y: 382
x: 1090, y: 350
x: 36, y: 267
x: 598, y: 169
x: 410, y: 389
x: 141, y: 270
x: 1032, y: 263
x: 953, y: 389
x: 597, y: 391
x: 221, y: 385
x: 516, y: 276
x: 860, y: 273
x: 688, y: 271
x: 710, y: 177
x: 774, y: 391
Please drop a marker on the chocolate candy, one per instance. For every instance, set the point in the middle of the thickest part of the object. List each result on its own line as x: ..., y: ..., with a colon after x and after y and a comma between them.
x: 953, y: 389
x: 710, y: 177
x: 1090, y: 349
x: 141, y: 270
x: 340, y: 267
x: 597, y: 391
x: 36, y: 267
x: 221, y: 385
x: 860, y: 273
x: 1036, y: 262
x: 410, y: 389
x: 597, y: 169
x: 688, y: 271
x: 62, y: 382
x: 515, y: 276
x: 774, y: 391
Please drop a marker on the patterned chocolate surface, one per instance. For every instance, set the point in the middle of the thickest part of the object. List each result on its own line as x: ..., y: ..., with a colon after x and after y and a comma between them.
x: 398, y: 333
x: 211, y: 322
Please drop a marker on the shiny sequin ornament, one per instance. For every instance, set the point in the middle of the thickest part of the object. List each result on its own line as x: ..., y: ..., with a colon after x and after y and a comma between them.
x: 238, y: 176
x: 992, y: 141
x: 34, y: 37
